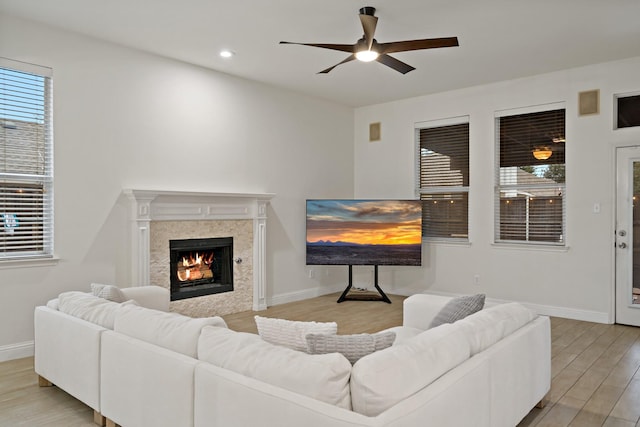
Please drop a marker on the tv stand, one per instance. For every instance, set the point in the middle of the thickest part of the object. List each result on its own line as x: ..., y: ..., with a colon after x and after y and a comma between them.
x: 365, y: 297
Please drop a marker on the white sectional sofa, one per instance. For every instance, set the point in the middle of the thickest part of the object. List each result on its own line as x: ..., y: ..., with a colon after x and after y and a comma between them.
x: 67, y: 348
x: 162, y: 369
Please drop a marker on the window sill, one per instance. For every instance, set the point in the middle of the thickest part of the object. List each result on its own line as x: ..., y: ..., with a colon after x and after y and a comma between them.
x: 452, y: 242
x: 28, y: 262
x: 525, y: 247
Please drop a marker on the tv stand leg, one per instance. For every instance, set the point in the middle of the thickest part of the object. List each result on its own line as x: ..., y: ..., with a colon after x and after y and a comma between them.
x: 346, y: 290
x: 383, y: 296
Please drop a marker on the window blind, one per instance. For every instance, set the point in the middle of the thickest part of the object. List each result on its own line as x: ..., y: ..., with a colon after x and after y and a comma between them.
x: 26, y: 163
x: 443, y: 180
x: 530, y: 199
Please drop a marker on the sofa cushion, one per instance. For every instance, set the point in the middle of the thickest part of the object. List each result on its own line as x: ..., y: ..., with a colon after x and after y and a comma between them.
x: 403, y: 333
x: 458, y: 308
x: 353, y: 347
x: 90, y: 308
x: 109, y: 292
x: 384, y: 378
x: 324, y: 377
x: 290, y: 333
x: 172, y: 331
x: 487, y: 327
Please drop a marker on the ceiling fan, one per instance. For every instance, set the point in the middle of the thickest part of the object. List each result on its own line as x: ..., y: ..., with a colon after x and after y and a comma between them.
x: 368, y: 49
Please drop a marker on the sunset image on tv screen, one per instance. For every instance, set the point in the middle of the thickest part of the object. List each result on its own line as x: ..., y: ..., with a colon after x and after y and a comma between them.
x: 364, y: 232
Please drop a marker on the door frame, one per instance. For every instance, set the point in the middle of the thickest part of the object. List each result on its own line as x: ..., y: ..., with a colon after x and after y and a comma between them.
x: 614, y: 231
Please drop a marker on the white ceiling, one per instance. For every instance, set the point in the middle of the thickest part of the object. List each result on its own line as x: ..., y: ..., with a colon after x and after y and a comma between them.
x: 499, y: 39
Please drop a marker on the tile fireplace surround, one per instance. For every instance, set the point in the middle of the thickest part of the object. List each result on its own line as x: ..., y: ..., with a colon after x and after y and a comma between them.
x: 159, y: 216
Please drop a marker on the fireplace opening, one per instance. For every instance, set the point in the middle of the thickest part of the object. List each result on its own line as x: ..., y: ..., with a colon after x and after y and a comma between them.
x: 200, y: 267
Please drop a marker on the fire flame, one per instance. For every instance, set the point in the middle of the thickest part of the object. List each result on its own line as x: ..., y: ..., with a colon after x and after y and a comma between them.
x: 193, y: 267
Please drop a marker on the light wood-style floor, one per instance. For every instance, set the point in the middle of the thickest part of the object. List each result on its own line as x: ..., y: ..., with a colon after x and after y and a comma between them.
x: 595, y: 376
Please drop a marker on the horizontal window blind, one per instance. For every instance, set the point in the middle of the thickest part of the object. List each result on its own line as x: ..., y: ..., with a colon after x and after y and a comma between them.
x: 443, y: 180
x: 530, y: 199
x: 26, y: 163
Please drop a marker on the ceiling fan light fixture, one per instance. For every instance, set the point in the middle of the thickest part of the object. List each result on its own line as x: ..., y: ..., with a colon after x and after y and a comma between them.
x: 366, y: 49
x: 367, y: 55
x: 542, y: 153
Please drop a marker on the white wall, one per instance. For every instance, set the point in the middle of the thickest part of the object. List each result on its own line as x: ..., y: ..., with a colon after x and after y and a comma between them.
x: 127, y: 119
x: 577, y: 282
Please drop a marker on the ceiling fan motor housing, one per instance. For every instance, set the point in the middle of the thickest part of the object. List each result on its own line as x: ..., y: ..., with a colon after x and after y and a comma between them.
x: 368, y: 10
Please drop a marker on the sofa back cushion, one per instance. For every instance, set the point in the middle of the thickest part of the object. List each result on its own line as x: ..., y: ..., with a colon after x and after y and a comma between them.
x: 324, y: 377
x: 90, y: 308
x: 384, y: 378
x: 488, y: 326
x: 172, y: 331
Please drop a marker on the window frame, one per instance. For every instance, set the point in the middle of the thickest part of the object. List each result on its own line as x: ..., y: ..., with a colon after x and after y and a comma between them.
x: 441, y: 190
x: 617, y: 98
x: 516, y: 187
x: 42, y: 250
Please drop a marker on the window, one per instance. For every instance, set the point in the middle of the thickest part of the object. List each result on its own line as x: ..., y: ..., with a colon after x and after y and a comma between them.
x: 627, y: 110
x: 26, y: 172
x: 530, y: 176
x: 443, y: 178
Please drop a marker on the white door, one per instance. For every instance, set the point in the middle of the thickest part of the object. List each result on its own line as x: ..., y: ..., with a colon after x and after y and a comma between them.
x: 627, y: 227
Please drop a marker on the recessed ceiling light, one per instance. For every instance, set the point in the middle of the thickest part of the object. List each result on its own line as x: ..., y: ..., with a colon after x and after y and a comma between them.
x: 226, y: 53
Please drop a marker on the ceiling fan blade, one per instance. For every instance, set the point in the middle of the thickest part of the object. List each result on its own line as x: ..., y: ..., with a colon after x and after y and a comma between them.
x: 349, y: 58
x: 369, y: 23
x: 367, y: 47
x: 392, y: 62
x: 341, y: 47
x: 407, y: 45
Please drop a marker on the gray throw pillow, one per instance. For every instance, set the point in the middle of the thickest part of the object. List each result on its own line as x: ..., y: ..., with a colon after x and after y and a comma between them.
x: 458, y: 308
x: 108, y: 292
x: 353, y: 347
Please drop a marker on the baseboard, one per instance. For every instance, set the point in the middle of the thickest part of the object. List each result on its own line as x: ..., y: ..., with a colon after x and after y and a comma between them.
x: 16, y: 351
x: 302, y: 295
x: 571, y: 313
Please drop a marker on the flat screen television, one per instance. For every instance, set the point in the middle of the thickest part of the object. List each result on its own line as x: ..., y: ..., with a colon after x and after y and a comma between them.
x: 364, y: 232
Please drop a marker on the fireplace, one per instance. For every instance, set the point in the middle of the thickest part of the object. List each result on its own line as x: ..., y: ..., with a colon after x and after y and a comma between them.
x: 157, y: 216
x: 200, y: 267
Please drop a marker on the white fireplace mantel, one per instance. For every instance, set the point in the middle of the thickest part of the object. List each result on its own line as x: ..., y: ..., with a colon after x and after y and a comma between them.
x: 151, y: 205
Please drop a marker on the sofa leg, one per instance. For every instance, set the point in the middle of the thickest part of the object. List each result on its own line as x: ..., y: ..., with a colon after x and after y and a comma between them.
x: 110, y: 423
x: 542, y: 403
x: 43, y: 382
x: 98, y: 418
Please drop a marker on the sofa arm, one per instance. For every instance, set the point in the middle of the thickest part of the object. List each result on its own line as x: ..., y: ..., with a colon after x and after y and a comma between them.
x: 420, y: 309
x: 154, y: 297
x: 67, y: 353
